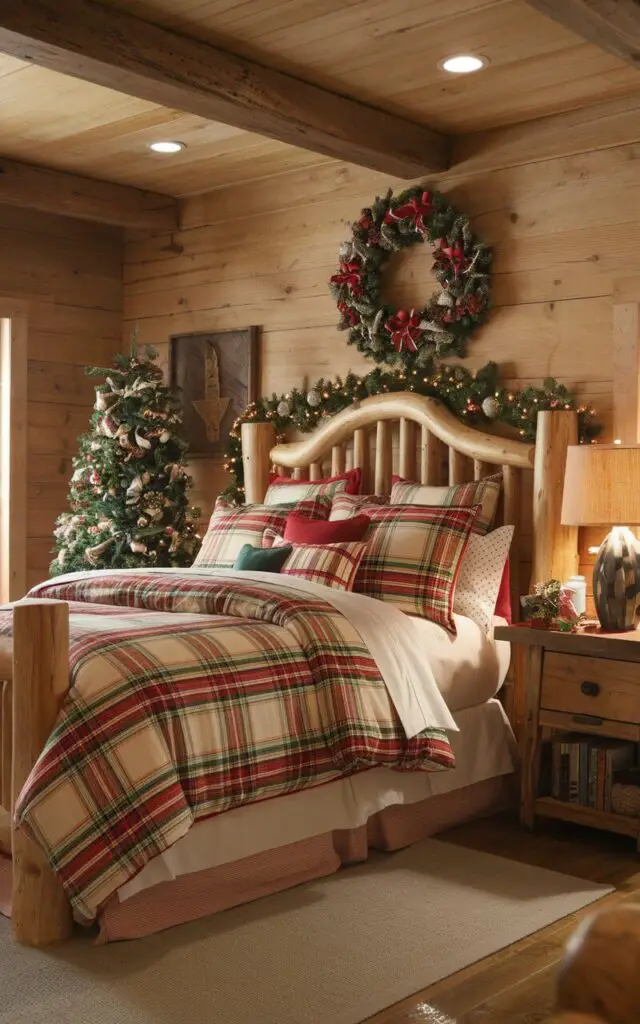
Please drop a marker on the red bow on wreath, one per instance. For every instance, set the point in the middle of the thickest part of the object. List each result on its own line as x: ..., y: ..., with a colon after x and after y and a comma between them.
x: 417, y: 209
x: 350, y: 315
x: 405, y: 330
x: 350, y: 274
x: 451, y: 254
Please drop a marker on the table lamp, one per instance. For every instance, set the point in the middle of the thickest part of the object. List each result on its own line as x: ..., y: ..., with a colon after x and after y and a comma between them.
x: 602, y: 488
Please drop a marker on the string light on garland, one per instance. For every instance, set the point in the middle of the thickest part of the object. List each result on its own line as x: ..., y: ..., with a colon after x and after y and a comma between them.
x: 475, y: 396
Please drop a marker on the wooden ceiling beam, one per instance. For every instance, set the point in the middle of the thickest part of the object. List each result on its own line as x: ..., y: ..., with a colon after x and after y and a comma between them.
x: 112, y: 48
x: 613, y: 25
x: 40, y: 188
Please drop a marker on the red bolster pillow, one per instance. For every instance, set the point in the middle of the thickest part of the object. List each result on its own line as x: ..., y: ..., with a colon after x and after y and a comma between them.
x: 304, y: 531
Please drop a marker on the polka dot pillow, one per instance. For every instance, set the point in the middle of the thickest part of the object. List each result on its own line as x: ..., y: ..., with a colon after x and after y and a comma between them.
x: 480, y: 576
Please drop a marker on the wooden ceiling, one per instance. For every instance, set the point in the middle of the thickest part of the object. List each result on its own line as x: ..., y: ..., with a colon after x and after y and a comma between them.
x: 383, y: 53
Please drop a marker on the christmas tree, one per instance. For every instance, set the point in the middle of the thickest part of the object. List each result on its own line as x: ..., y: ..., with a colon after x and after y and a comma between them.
x: 129, y: 490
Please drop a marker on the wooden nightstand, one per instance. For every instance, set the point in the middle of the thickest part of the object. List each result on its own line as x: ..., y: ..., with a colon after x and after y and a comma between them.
x: 587, y: 683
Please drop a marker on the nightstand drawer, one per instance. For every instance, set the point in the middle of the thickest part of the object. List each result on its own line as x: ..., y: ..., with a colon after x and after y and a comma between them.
x: 591, y: 686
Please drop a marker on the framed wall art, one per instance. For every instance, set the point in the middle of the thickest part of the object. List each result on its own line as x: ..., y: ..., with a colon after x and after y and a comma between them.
x: 215, y: 374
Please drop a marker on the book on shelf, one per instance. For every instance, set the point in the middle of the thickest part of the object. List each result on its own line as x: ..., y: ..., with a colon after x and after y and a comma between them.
x: 583, y: 768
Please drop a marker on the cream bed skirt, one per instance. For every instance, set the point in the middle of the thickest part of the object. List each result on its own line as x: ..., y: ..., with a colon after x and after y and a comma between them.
x: 266, y: 847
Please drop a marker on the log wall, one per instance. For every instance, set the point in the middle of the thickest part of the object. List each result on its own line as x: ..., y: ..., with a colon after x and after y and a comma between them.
x: 70, y: 274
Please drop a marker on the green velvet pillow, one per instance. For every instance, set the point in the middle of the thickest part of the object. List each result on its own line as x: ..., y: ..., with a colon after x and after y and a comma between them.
x: 255, y: 559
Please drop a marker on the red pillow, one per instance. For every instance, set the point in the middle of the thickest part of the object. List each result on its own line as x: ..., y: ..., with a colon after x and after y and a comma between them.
x: 503, y: 602
x: 352, y: 476
x: 298, y: 530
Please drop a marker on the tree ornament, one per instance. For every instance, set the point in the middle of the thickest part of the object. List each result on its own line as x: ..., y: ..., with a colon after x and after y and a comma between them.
x: 141, y: 441
x: 138, y: 546
x: 134, y: 490
x: 490, y: 407
x: 142, y: 521
x: 462, y: 268
x: 314, y: 398
x: 92, y: 554
x: 283, y: 409
x: 164, y: 436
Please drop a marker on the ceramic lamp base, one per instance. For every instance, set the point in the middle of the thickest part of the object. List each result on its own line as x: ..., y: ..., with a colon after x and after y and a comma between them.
x: 616, y: 577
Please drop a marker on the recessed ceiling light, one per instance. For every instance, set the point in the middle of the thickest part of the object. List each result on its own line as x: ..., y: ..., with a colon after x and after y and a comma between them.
x: 463, y: 63
x: 167, y: 147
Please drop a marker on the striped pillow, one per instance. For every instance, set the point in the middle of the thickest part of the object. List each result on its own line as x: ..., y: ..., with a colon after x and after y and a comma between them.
x: 346, y: 506
x: 332, y: 565
x: 233, y: 526
x: 412, y: 558
x: 479, y: 492
x: 283, y: 489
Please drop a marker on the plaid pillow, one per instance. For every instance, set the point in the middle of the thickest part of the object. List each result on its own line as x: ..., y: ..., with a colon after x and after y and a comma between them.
x: 412, y: 558
x: 346, y: 506
x: 479, y: 492
x: 285, y: 489
x: 332, y: 565
x: 232, y: 526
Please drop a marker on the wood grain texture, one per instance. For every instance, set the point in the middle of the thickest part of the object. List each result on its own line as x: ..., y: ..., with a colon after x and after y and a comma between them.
x: 555, y: 549
x: 90, y: 41
x: 41, y: 188
x: 613, y: 25
x: 562, y: 232
x: 257, y: 441
x: 425, y: 411
x: 383, y: 462
x: 40, y: 911
x: 14, y: 339
x: 534, y: 658
x: 537, y: 68
x: 626, y: 372
x: 64, y: 274
x: 613, y: 691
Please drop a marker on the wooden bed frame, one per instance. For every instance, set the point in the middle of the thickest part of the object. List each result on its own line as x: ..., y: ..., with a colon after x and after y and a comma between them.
x: 432, y: 446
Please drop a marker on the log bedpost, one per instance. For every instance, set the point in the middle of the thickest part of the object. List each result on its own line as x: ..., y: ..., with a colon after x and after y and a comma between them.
x: 40, y: 911
x: 257, y: 441
x: 555, y: 547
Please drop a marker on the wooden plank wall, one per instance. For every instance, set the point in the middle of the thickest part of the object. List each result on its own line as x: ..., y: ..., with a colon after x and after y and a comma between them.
x: 70, y: 273
x: 563, y: 231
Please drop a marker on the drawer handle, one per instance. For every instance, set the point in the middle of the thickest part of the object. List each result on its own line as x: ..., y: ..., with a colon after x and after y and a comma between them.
x: 590, y: 689
x: 587, y: 720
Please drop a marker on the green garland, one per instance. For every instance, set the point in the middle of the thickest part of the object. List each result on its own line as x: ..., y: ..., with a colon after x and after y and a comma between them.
x: 402, y: 337
x: 475, y: 396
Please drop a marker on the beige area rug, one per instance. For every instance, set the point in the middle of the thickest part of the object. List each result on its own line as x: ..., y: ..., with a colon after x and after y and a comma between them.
x: 333, y: 951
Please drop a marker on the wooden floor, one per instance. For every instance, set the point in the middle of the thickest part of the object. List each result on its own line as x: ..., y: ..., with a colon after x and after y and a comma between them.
x: 517, y: 984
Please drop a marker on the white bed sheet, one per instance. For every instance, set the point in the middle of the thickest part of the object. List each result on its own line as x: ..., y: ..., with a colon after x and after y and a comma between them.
x: 484, y: 748
x: 470, y: 667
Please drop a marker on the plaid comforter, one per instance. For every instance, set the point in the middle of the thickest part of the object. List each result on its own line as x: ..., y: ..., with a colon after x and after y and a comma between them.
x: 190, y: 696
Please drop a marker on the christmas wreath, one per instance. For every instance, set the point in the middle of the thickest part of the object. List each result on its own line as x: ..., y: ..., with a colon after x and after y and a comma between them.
x: 412, y: 337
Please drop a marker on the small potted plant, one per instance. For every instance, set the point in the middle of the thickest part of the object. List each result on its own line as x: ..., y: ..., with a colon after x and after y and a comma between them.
x: 549, y: 606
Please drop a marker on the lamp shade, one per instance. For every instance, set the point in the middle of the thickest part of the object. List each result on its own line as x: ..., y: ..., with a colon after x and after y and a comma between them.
x: 602, y: 485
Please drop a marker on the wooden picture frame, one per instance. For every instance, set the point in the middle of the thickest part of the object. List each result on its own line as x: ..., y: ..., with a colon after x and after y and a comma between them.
x: 215, y: 374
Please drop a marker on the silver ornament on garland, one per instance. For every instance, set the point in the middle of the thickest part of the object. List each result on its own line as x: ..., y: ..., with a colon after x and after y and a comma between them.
x: 490, y: 407
x: 313, y: 398
x: 283, y: 410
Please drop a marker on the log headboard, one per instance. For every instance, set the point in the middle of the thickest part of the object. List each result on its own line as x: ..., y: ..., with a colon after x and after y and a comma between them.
x: 420, y: 439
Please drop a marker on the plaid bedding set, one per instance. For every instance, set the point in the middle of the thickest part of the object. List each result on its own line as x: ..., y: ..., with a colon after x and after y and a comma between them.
x: 190, y: 696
